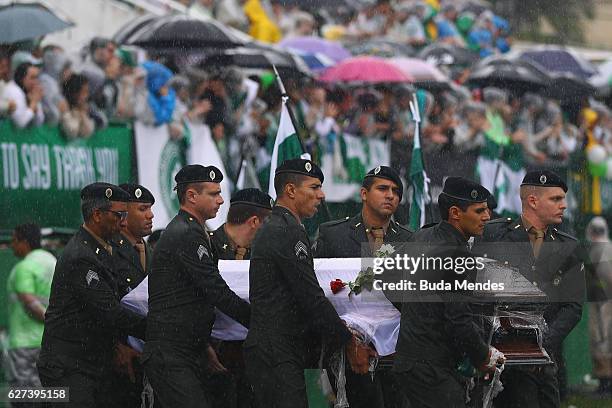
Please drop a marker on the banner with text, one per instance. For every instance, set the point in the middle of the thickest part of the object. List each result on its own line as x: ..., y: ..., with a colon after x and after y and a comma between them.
x: 42, y: 173
x: 160, y: 158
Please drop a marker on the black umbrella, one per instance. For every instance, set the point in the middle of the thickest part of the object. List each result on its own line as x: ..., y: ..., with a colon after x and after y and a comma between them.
x: 518, y: 76
x: 569, y: 88
x: 446, y: 54
x: 22, y: 21
x: 179, y: 31
x: 125, y: 32
x: 257, y: 56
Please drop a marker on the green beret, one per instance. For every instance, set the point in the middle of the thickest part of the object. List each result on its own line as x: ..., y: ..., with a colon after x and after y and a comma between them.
x: 254, y: 197
x: 196, y: 173
x: 104, y: 191
x: 544, y: 178
x: 300, y: 166
x: 138, y: 193
x: 463, y: 189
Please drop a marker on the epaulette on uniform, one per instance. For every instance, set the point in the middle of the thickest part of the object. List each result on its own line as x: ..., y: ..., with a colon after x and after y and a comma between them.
x: 335, y: 222
x: 431, y: 224
x: 564, y: 234
x: 403, y: 227
x: 502, y: 220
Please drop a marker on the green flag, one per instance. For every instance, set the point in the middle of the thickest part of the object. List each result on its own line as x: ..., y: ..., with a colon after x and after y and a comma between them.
x: 286, y: 145
x: 418, y: 177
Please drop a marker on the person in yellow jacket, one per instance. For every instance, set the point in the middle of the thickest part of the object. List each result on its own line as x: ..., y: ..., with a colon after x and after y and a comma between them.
x: 262, y: 28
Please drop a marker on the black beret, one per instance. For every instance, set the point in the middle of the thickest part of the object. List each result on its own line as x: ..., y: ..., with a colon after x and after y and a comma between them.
x: 138, y: 193
x: 105, y: 191
x: 196, y: 173
x: 300, y: 166
x: 254, y: 197
x: 460, y: 188
x: 388, y: 173
x: 544, y: 178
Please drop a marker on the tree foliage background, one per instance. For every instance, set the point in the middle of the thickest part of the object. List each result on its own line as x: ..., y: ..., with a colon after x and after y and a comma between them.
x: 567, y: 18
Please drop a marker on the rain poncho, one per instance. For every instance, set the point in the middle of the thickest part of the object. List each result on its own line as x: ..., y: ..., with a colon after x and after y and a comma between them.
x: 161, y: 106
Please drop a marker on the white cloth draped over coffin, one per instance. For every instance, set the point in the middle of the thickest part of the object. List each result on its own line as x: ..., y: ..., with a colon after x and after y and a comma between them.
x: 369, y: 312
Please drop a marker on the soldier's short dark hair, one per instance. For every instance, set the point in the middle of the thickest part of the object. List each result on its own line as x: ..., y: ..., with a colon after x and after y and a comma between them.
x: 368, y: 182
x: 30, y: 233
x: 445, y: 203
x: 89, y: 205
x: 282, y: 179
x: 239, y: 213
x: 181, y: 190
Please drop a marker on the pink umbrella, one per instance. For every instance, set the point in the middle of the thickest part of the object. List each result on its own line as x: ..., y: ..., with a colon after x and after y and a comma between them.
x: 421, y: 70
x: 365, y: 70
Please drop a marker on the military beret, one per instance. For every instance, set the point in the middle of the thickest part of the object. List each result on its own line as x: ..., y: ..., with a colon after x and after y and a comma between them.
x: 196, y: 173
x: 138, y: 193
x: 254, y: 197
x: 460, y: 188
x: 104, y: 191
x: 300, y: 166
x: 388, y: 173
x: 544, y: 178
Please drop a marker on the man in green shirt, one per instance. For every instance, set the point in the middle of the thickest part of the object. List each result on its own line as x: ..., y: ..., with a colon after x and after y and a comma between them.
x: 28, y: 288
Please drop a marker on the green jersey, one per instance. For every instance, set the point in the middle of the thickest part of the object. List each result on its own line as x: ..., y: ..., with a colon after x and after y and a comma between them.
x: 32, y: 275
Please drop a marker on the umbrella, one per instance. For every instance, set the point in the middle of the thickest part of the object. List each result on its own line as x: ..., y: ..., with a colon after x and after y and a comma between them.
x: 257, y: 56
x: 382, y: 48
x: 421, y: 71
x: 316, y: 45
x: 368, y: 70
x: 446, y: 54
x: 125, y: 32
x: 316, y: 62
x: 558, y: 59
x: 20, y: 22
x: 180, y: 31
x: 569, y: 88
x: 516, y: 75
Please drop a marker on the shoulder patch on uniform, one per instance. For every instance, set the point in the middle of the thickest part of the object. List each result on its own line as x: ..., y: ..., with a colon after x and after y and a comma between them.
x: 92, y: 278
x: 564, y: 234
x: 301, y: 250
x: 202, y: 251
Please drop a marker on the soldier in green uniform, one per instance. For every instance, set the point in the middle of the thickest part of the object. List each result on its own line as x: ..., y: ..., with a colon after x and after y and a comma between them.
x: 551, y: 260
x: 249, y: 208
x: 289, y: 309
x: 185, y: 287
x: 84, y: 318
x: 435, y: 336
x: 361, y: 236
x: 132, y: 258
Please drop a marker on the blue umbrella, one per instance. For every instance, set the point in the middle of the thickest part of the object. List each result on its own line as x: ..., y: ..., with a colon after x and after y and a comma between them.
x: 21, y: 21
x: 315, y: 61
x: 560, y: 60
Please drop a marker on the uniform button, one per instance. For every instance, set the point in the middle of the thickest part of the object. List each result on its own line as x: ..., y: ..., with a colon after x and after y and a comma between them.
x: 533, y: 267
x: 535, y: 283
x: 505, y: 262
x: 129, y: 280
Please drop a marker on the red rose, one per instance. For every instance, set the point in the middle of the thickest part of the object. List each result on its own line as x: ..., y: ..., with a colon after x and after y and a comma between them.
x: 336, y: 285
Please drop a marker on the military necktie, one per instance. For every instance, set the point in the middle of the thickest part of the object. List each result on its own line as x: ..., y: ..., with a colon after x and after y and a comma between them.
x: 240, y: 253
x: 538, y: 240
x: 140, y: 247
x: 379, y: 235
